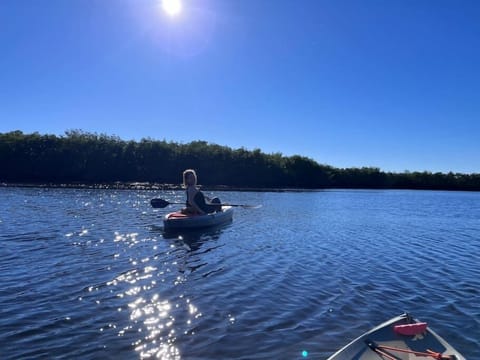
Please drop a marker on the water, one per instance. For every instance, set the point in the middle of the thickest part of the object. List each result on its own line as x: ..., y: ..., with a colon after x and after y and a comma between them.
x: 89, y: 274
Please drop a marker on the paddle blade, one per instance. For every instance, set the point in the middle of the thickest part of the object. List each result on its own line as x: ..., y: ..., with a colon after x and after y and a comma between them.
x: 251, y: 206
x: 243, y: 206
x: 159, y: 203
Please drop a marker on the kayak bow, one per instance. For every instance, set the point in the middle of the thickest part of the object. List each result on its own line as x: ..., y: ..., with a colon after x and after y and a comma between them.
x: 396, y: 339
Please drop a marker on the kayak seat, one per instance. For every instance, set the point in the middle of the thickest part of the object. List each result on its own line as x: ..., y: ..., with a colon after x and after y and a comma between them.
x: 180, y: 215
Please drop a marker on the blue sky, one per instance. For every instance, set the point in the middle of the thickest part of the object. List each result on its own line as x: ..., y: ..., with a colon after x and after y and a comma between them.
x: 391, y: 84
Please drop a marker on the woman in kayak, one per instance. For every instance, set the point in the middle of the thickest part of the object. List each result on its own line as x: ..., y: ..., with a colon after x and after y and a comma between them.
x: 197, y: 203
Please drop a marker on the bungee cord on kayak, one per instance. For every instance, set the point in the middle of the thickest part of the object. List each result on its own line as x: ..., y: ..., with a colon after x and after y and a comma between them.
x: 380, y: 349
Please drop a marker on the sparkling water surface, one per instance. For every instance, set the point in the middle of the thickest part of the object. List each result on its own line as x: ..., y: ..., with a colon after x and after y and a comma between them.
x: 90, y: 274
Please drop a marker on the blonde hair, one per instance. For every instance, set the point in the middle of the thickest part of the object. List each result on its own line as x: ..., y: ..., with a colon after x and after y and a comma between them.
x: 187, y: 172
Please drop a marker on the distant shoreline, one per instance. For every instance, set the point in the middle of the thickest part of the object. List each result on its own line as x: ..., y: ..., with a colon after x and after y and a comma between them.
x: 147, y: 186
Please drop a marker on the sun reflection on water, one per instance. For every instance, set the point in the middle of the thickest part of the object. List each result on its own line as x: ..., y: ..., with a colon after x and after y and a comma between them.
x: 159, y: 312
x: 153, y: 318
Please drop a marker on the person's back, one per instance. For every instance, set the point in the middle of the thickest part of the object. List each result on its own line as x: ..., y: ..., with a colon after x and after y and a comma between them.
x: 196, y: 201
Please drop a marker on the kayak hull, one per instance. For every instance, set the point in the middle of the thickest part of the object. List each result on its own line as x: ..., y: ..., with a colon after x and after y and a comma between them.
x: 402, y: 332
x: 179, y: 221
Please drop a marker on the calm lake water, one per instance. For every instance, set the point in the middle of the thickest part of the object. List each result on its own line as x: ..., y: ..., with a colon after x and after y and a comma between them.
x: 89, y: 274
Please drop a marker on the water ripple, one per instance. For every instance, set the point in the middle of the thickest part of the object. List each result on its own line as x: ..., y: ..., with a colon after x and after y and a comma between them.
x: 90, y: 273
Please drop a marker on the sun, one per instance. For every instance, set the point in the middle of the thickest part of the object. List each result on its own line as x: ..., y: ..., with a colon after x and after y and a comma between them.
x: 172, y: 7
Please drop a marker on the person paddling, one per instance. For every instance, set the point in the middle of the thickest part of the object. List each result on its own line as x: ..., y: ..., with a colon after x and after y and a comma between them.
x: 197, y: 202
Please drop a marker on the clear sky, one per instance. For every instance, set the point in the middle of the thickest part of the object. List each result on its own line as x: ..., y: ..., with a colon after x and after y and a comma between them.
x: 393, y: 84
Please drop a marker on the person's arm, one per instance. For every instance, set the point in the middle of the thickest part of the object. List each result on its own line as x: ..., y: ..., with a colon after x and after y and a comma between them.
x: 191, y: 200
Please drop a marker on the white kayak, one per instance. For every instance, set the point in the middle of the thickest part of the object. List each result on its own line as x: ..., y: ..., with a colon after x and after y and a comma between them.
x: 179, y: 221
x: 400, y: 338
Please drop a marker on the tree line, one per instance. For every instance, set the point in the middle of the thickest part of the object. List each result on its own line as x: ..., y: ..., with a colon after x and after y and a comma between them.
x: 87, y: 158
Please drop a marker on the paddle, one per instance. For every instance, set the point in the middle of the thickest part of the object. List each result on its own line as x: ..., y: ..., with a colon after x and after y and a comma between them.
x: 160, y: 204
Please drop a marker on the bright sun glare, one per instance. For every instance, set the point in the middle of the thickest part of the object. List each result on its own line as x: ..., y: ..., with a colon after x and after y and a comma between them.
x: 172, y: 7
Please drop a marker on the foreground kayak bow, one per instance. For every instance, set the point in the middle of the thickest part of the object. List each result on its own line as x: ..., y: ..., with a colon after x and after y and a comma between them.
x: 399, y: 338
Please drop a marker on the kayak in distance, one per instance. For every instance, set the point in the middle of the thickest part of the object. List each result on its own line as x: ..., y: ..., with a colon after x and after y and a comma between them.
x: 400, y: 338
x: 179, y: 221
